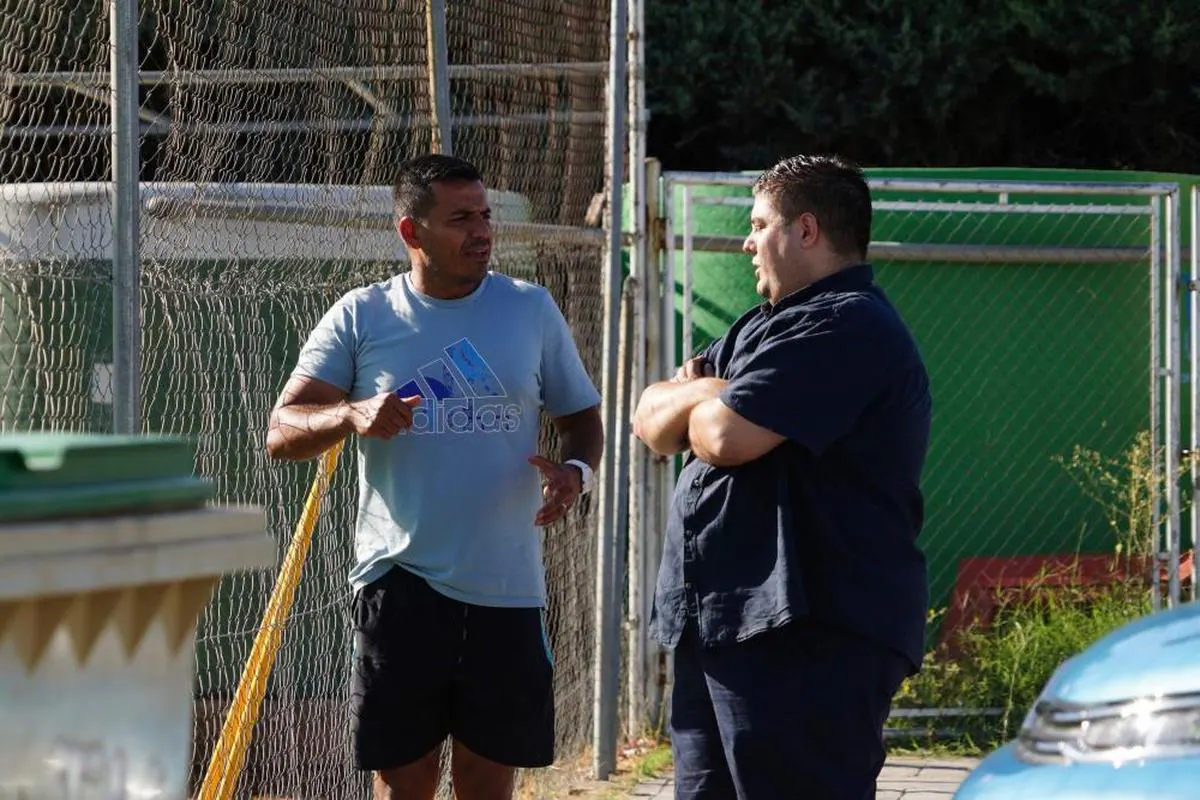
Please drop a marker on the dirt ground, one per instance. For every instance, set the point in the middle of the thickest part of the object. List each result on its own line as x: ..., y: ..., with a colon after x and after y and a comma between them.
x: 636, y: 761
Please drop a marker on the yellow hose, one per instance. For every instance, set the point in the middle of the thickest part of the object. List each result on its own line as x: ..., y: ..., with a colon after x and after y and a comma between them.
x: 229, y: 756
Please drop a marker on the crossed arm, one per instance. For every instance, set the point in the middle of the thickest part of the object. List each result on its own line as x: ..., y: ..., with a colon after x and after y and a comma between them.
x: 687, y: 412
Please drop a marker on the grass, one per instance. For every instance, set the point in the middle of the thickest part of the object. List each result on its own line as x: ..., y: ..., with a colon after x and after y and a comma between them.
x: 954, y: 748
x: 654, y: 764
x: 1006, y: 665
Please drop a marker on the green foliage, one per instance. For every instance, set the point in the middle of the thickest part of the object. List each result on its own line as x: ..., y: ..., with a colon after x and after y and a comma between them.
x: 654, y: 763
x: 1125, y: 489
x: 1101, y: 84
x: 1005, y: 665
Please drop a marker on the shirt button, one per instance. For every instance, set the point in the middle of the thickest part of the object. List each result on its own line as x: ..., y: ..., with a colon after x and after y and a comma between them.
x: 697, y: 483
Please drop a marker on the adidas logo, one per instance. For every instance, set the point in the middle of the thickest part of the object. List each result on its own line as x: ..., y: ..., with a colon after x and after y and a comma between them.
x: 461, y: 395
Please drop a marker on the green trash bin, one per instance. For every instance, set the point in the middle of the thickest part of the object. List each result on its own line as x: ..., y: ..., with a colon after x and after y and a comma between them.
x: 56, y: 475
x: 108, y: 552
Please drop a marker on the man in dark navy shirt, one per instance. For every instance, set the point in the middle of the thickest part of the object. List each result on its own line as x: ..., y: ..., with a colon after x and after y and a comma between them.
x: 791, y: 587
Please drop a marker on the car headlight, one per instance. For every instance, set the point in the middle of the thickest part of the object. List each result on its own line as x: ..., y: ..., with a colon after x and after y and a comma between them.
x: 1159, y: 727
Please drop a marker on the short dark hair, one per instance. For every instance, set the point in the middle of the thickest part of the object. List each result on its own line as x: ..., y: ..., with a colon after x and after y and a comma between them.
x: 412, y: 194
x: 829, y: 187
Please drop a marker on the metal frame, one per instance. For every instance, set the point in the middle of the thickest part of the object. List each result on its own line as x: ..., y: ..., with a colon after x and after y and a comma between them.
x: 439, y: 76
x: 1193, y: 451
x: 97, y: 84
x: 1160, y: 206
x: 641, y: 655
x: 1156, y: 376
x: 126, y: 264
x: 610, y: 545
x: 1173, y: 377
x: 369, y: 219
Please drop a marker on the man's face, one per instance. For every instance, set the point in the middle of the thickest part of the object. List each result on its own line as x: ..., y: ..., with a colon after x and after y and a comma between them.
x: 456, y: 235
x: 776, y: 247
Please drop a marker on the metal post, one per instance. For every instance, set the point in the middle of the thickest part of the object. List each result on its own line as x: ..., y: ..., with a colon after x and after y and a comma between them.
x: 1194, y: 377
x: 126, y: 266
x: 622, y: 439
x: 669, y: 358
x: 1174, y: 449
x: 952, y: 186
x: 669, y: 361
x: 687, y: 275
x: 1157, y: 307
x: 608, y: 612
x: 636, y: 619
x: 652, y: 519
x: 439, y: 75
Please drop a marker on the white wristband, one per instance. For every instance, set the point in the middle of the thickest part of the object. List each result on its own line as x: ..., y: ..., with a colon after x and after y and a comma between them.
x: 585, y: 474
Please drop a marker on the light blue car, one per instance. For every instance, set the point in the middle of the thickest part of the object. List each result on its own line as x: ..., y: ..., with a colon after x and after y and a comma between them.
x: 1119, y: 721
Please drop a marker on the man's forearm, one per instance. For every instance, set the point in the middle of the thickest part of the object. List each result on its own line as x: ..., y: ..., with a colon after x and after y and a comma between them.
x: 298, y: 433
x: 581, y: 437
x: 661, y: 418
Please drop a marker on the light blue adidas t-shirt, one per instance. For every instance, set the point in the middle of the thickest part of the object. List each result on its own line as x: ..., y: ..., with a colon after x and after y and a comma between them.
x: 453, y: 499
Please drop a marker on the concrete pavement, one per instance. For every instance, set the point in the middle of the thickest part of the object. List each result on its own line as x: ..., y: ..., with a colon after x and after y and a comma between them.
x: 901, y: 779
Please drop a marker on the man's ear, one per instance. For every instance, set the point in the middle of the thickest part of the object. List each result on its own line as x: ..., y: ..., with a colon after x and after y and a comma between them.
x: 409, y: 232
x: 809, y: 229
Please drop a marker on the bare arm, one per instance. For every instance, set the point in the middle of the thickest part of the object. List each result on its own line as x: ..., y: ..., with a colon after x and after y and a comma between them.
x: 661, y: 418
x: 723, y: 438
x: 309, y: 418
x: 581, y: 436
x: 312, y: 416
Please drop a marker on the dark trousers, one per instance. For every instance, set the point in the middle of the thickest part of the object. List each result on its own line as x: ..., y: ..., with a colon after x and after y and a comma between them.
x: 796, y: 712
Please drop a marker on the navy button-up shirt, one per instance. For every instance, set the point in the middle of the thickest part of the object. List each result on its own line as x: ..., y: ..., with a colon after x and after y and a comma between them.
x: 825, y: 525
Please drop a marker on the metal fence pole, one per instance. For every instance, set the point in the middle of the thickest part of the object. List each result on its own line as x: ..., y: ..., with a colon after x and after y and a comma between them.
x: 686, y: 307
x: 126, y: 200
x: 1194, y: 377
x: 1174, y: 287
x: 669, y: 360
x: 1157, y: 312
x: 639, y: 261
x: 439, y: 76
x: 608, y: 612
x: 653, y: 518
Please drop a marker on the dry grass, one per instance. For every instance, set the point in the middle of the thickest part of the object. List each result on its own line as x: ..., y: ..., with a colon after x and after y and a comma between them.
x: 636, y: 761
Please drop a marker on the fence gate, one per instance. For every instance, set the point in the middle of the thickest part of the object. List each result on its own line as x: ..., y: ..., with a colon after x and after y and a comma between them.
x: 1049, y: 316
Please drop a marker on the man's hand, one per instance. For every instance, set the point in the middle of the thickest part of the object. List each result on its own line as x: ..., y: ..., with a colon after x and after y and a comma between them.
x: 382, y: 416
x: 561, y: 486
x: 693, y: 368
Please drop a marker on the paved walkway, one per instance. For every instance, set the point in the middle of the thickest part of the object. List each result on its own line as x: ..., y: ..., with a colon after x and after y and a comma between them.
x: 901, y: 779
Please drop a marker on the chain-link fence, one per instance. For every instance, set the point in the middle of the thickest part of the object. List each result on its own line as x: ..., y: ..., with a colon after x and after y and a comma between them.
x: 1052, y: 337
x: 269, y: 135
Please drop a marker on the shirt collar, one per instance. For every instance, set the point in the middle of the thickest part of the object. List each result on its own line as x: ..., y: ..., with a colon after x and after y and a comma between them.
x: 848, y: 279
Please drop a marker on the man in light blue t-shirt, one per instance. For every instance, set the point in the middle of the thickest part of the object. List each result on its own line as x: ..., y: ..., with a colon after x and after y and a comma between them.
x: 443, y: 373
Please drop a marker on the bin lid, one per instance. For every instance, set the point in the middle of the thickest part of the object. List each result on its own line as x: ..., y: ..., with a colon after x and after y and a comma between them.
x: 55, y: 475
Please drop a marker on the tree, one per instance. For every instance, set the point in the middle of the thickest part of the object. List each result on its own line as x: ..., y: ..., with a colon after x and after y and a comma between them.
x: 1104, y: 84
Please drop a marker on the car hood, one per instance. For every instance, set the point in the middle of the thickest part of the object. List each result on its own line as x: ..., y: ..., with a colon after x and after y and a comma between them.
x: 1156, y: 655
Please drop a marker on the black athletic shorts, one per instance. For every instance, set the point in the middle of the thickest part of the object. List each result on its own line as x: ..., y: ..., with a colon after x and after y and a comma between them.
x: 427, y: 667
